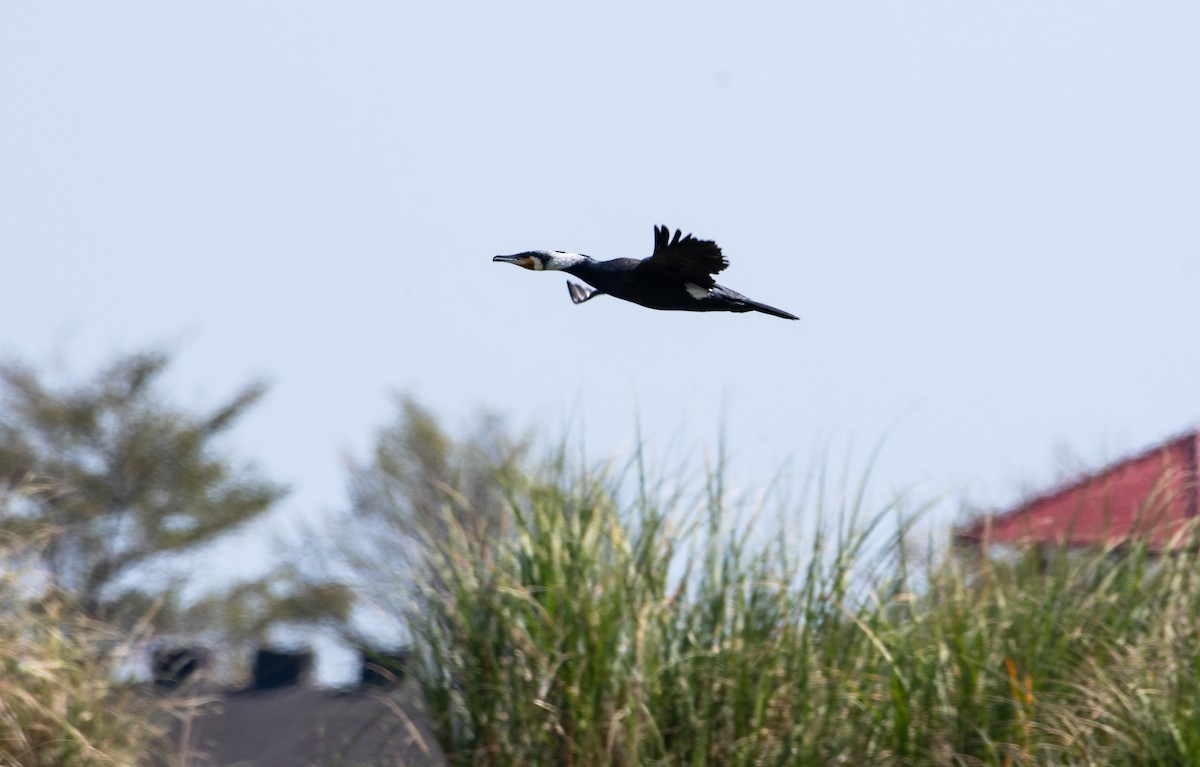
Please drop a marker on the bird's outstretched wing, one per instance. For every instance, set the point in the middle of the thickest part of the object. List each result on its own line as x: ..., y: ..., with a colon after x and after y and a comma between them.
x: 684, y: 258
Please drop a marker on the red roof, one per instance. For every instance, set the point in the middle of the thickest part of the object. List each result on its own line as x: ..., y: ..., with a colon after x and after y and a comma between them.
x: 1152, y: 495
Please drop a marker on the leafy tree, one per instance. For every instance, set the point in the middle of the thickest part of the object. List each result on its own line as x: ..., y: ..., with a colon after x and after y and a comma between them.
x: 419, y: 484
x: 287, y: 595
x: 120, y: 474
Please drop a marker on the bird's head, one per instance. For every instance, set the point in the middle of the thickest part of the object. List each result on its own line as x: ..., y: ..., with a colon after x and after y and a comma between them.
x: 539, y: 260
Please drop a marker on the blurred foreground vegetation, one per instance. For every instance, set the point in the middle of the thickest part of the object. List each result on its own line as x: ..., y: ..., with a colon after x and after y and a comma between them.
x: 564, y: 615
x: 61, y: 703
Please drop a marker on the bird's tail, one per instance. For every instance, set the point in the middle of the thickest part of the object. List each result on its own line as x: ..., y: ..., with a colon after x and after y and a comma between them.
x: 771, y: 310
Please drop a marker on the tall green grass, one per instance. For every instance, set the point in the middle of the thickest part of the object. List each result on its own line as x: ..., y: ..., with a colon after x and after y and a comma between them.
x: 659, y: 630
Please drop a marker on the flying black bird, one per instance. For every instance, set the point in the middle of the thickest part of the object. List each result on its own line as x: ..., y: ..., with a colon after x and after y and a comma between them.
x: 678, y: 275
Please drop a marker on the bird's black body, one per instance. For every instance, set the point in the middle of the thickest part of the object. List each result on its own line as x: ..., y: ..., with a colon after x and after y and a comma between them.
x: 677, y: 276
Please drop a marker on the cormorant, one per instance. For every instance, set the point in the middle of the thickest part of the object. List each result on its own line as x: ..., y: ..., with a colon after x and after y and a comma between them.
x: 678, y: 275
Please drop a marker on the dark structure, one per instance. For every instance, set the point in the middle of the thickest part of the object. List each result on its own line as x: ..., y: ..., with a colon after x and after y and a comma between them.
x: 303, y: 726
x: 678, y: 275
x: 282, y: 720
x: 1152, y: 496
x: 275, y: 668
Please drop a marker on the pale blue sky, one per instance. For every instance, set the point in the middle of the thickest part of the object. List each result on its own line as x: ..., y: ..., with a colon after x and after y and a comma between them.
x: 987, y: 216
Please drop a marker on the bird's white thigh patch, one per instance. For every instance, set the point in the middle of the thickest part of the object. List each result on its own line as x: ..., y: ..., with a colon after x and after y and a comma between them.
x: 695, y: 291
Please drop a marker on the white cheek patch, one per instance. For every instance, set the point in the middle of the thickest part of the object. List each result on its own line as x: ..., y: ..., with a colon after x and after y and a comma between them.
x: 560, y: 260
x: 696, y: 292
x: 537, y: 264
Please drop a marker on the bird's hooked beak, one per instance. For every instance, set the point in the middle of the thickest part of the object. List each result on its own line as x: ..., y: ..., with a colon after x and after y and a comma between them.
x: 520, y: 259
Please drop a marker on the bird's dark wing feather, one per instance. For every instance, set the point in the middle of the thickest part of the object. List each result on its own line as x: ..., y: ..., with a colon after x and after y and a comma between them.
x: 684, y: 258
